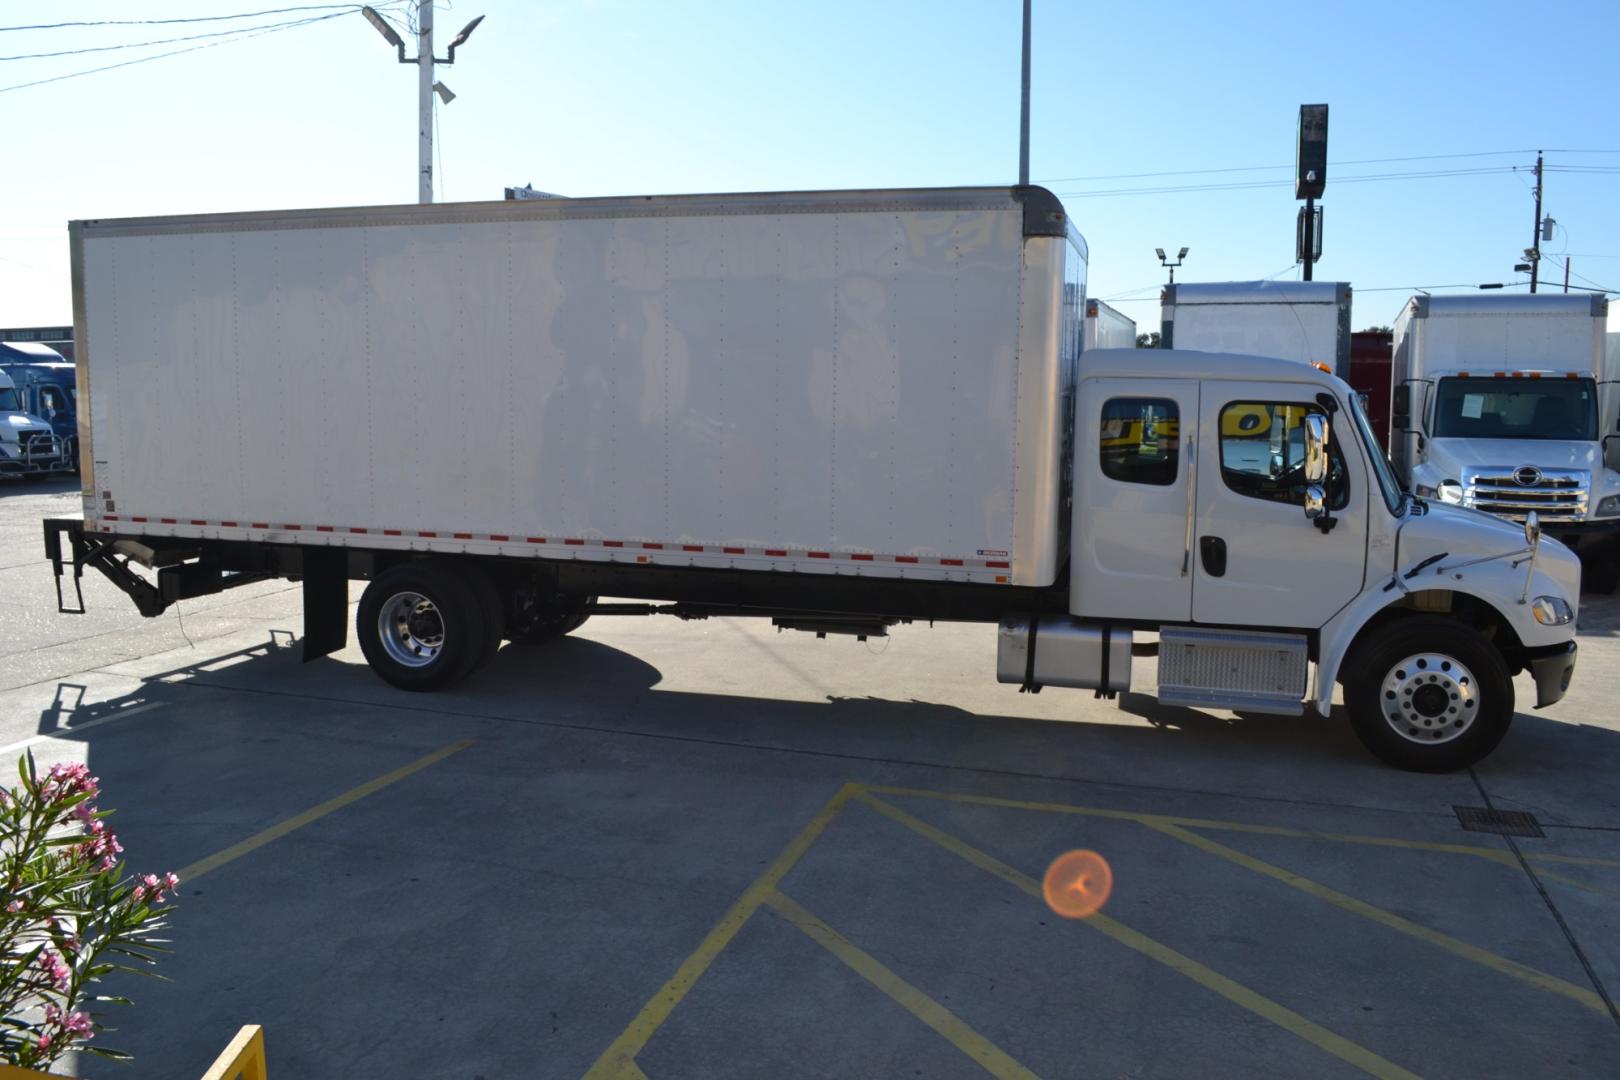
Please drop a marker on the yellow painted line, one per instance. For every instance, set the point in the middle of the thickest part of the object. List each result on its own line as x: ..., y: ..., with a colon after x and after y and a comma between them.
x: 1564, y: 879
x: 620, y: 1056
x: 315, y: 813
x: 1231, y: 990
x: 1483, y: 957
x: 985, y: 1053
x: 1497, y: 855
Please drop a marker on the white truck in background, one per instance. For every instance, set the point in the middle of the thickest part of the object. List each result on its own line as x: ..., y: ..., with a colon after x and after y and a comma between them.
x: 1508, y: 404
x: 836, y: 410
x: 1293, y: 320
x: 1107, y: 328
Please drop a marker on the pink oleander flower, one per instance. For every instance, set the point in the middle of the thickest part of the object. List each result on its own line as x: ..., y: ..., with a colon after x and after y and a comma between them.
x: 67, y: 779
x: 53, y: 1015
x: 79, y: 1024
x: 44, y: 1041
x: 54, y: 968
x: 15, y: 906
x: 86, y: 812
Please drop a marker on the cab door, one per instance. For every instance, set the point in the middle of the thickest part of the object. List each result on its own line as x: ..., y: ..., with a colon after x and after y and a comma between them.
x: 1258, y: 561
x: 1134, y: 499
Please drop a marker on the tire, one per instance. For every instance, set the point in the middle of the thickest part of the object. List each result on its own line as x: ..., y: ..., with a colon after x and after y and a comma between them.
x: 1429, y: 694
x: 536, y: 625
x: 425, y: 643
x: 492, y: 611
x: 1601, y: 575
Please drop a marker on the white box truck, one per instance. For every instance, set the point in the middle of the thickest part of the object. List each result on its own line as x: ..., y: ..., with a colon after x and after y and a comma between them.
x: 836, y: 410
x: 1108, y: 328
x: 1294, y: 320
x: 1506, y: 404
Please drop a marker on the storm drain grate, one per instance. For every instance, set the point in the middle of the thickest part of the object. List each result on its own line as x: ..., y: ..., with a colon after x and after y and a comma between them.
x: 1501, y: 822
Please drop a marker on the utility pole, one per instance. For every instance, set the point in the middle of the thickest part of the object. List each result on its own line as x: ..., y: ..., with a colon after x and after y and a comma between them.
x: 1535, y: 234
x: 1023, y: 111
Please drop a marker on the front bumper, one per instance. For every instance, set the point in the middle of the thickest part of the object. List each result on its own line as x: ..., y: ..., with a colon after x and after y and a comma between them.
x: 1553, y: 666
x: 36, y: 457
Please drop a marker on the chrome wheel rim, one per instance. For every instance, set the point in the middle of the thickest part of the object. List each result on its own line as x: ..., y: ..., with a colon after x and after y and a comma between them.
x: 1429, y: 698
x: 411, y: 628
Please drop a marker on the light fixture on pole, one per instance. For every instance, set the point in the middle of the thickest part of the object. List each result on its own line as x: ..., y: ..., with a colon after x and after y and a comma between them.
x: 1167, y: 264
x: 426, y: 86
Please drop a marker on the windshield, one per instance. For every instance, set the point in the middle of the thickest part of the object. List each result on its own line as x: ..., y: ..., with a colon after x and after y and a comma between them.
x: 1520, y: 408
x: 1381, y: 467
x: 8, y: 401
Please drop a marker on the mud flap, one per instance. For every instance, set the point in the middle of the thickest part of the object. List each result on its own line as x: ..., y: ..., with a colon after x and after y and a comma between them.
x: 326, y: 601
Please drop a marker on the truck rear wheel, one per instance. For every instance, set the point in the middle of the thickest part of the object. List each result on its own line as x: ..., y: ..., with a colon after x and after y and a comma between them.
x: 422, y: 626
x: 1429, y: 695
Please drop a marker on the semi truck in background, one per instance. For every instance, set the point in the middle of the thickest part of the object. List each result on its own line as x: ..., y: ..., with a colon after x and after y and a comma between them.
x: 44, y: 380
x: 1107, y: 328
x: 1507, y: 404
x: 28, y: 447
x: 1292, y: 320
x: 836, y: 410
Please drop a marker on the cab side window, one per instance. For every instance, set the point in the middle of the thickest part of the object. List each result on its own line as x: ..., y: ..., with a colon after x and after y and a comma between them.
x: 1140, y: 440
x: 1263, y: 453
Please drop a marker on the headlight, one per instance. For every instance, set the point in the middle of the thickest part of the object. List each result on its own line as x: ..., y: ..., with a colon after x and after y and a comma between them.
x: 1551, y: 610
x: 1608, y: 506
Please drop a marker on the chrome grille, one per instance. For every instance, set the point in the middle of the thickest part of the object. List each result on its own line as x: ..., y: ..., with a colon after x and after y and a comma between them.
x: 1554, y: 494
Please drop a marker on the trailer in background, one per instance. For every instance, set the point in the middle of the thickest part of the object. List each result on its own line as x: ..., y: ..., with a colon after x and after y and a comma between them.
x: 1107, y: 328
x: 1292, y: 320
x: 1370, y: 354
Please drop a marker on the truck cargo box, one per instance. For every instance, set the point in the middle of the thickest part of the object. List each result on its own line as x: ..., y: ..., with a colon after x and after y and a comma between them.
x: 873, y: 383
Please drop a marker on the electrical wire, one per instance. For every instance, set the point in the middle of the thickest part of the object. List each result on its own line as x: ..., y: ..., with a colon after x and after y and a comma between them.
x: 242, y: 36
x: 1263, y: 168
x: 156, y: 41
x: 1243, y: 185
x: 197, y: 19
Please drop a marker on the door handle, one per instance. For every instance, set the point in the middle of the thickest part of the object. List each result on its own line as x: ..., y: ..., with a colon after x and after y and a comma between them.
x: 1212, y: 550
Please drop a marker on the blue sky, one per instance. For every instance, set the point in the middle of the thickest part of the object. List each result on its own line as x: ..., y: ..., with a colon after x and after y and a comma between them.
x: 638, y: 96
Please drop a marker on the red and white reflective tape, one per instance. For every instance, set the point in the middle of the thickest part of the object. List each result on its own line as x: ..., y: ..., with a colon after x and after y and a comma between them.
x: 721, y: 550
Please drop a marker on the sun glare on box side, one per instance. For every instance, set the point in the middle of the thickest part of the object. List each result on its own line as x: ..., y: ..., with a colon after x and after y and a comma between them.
x: 1077, y: 884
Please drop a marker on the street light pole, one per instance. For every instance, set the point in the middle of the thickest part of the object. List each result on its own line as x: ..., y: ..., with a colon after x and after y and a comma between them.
x: 425, y: 85
x: 1023, y: 109
x: 424, y: 101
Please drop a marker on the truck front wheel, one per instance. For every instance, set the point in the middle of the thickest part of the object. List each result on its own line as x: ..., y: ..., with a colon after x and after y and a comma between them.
x: 421, y: 626
x: 1429, y: 695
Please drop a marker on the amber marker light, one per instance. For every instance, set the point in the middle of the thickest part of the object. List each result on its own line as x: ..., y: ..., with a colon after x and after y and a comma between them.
x: 1077, y: 884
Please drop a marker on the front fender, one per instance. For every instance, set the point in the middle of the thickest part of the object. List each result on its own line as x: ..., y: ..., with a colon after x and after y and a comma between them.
x: 1494, y: 585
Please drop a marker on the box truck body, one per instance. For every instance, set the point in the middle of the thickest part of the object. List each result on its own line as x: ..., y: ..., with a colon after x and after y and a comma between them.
x: 1506, y: 404
x: 1107, y: 328
x: 837, y: 410
x: 1293, y: 320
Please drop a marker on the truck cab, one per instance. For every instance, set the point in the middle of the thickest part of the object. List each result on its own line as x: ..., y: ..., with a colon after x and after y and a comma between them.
x: 47, y: 386
x: 28, y: 447
x: 1505, y: 404
x: 1243, y: 508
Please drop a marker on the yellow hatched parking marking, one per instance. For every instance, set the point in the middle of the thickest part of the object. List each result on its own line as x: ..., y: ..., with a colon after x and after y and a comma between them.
x: 618, y: 1060
x: 990, y: 1057
x: 1231, y: 990
x: 315, y: 813
x: 1530, y: 975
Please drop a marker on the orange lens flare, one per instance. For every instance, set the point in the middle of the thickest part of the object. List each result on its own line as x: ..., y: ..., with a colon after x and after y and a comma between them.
x: 1077, y: 884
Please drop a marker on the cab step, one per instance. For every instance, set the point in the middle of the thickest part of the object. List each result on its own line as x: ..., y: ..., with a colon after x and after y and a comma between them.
x: 1245, y: 670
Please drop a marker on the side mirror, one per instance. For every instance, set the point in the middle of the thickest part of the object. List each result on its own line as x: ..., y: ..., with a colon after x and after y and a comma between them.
x: 1400, y: 407
x: 1532, y: 528
x: 1316, y: 449
x: 1315, y: 503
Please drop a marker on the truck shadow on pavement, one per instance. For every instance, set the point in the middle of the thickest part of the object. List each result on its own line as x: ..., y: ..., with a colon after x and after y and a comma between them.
x: 584, y: 685
x: 55, y: 485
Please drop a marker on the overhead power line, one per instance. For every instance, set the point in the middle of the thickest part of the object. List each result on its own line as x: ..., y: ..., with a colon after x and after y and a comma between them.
x: 1242, y: 185
x: 157, y: 41
x: 243, y: 35
x: 197, y: 19
x: 1265, y: 168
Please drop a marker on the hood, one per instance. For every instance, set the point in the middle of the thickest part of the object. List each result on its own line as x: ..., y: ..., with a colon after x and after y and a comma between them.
x: 1455, y: 454
x: 1463, y: 533
x: 18, y: 422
